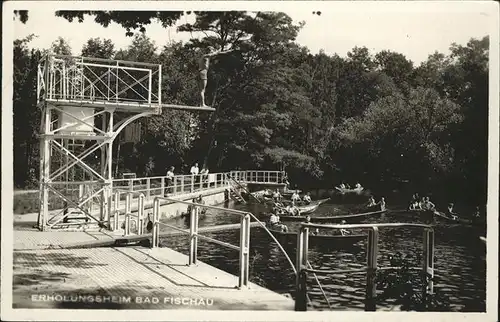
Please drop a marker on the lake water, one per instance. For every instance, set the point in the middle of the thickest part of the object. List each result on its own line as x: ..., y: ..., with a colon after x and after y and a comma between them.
x: 460, y: 265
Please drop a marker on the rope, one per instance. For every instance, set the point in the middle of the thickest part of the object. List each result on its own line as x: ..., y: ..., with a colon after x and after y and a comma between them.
x: 320, y: 287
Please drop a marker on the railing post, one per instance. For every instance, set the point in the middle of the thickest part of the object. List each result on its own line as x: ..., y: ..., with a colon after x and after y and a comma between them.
x: 110, y: 205
x: 148, y: 187
x: 126, y: 231
x: 128, y: 205
x: 301, y: 264
x: 372, y: 254
x: 174, y: 181
x: 140, y: 215
x: 244, y: 251
x: 182, y: 184
x: 428, y: 263
x: 162, y: 187
x: 131, y: 185
x: 193, y: 178
x: 155, y: 232
x: 193, y: 238
x: 115, y: 211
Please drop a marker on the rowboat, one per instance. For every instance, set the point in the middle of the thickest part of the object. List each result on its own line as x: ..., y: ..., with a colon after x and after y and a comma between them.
x: 441, y: 216
x: 344, y: 191
x: 420, y: 213
x: 320, y: 240
x: 351, y: 218
x: 307, y: 209
x: 438, y: 216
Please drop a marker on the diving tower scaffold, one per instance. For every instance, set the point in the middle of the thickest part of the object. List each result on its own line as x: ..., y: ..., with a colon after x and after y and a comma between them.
x: 85, y: 103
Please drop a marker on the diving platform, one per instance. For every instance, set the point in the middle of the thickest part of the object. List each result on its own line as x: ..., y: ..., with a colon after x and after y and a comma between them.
x: 79, y: 98
x: 126, y: 106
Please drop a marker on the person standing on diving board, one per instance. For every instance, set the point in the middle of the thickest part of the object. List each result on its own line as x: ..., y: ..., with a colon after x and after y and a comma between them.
x: 204, y: 63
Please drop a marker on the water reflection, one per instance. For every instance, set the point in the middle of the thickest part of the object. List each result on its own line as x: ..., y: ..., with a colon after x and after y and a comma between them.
x: 459, y: 260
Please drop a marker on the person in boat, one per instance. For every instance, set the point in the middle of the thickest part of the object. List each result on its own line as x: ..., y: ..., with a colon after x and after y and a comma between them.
x: 347, y: 186
x: 295, y: 197
x: 274, y: 223
x: 343, y: 231
x: 307, y: 198
x: 381, y: 203
x: 450, y: 212
x: 277, y: 195
x: 292, y: 210
x: 371, y: 202
x: 427, y: 204
x: 358, y: 186
x: 342, y: 185
x: 415, y: 202
x: 295, y: 211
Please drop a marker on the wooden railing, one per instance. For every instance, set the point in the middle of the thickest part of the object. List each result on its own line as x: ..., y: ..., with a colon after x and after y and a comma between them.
x: 162, y: 186
x: 193, y: 235
x: 304, y: 267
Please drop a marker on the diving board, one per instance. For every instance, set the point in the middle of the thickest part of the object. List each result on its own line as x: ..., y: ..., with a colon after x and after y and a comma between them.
x: 188, y: 108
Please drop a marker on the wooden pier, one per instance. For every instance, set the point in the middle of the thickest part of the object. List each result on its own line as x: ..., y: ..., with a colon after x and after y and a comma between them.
x: 46, y: 275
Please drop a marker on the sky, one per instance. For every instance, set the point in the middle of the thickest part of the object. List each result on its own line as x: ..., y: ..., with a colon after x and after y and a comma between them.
x: 411, y: 29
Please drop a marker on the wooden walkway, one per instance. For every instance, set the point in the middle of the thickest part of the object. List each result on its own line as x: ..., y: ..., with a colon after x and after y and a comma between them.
x: 48, y: 275
x: 130, y: 278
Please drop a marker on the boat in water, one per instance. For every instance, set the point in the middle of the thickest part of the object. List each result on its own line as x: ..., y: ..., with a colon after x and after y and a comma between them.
x: 320, y: 239
x: 350, y: 218
x: 442, y: 217
x: 310, y: 208
x: 437, y: 217
x: 344, y: 191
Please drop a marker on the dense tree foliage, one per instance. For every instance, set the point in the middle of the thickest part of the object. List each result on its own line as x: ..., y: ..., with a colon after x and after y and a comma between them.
x: 372, y: 117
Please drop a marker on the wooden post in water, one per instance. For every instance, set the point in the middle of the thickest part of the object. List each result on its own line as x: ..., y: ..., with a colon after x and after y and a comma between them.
x: 193, y: 238
x: 301, y: 264
x: 428, y: 263
x: 372, y: 254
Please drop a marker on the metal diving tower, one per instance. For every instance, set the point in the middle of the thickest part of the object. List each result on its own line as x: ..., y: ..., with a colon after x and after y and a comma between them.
x: 85, y: 103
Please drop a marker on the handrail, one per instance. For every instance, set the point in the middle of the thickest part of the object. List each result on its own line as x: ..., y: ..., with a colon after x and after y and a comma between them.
x: 241, y: 186
x: 194, y: 233
x: 243, y: 248
x: 367, y: 226
x: 276, y: 241
x: 304, y: 266
x: 238, y: 212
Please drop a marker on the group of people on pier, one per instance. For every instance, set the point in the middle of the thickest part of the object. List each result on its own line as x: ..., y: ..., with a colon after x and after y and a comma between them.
x: 194, y: 171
